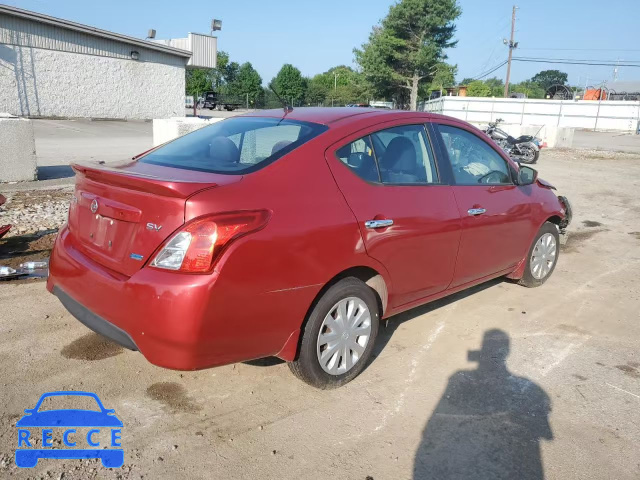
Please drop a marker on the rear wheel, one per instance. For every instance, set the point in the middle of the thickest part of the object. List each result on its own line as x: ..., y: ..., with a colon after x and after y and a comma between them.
x: 529, y: 155
x: 339, y: 335
x: 542, y: 257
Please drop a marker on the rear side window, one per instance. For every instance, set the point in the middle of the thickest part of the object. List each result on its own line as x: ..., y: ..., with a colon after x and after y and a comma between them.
x: 404, y: 155
x: 235, y: 146
x: 473, y: 161
x: 394, y: 156
x: 358, y: 156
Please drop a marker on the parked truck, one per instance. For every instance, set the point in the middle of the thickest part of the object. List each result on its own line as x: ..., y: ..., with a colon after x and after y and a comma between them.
x: 212, y: 99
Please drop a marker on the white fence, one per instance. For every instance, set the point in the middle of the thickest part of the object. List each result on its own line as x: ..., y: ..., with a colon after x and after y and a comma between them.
x: 594, y: 115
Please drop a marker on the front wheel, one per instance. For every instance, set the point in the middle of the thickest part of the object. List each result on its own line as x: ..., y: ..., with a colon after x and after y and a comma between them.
x: 339, y: 335
x: 542, y: 257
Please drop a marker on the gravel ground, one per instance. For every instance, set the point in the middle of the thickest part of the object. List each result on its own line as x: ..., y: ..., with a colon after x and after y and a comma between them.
x: 35, y: 210
x: 501, y: 379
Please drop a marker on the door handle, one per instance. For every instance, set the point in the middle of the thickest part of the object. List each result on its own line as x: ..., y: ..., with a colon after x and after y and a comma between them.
x: 476, y: 211
x: 378, y: 223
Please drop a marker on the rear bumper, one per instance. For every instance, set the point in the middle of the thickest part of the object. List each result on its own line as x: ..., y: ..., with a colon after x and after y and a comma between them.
x: 177, y: 321
x: 140, y: 312
x: 93, y: 321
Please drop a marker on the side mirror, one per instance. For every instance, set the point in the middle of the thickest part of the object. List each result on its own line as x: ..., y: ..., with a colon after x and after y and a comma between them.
x: 527, y: 176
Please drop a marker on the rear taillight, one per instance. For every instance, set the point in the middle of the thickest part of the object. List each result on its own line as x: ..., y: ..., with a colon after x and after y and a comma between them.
x: 198, y: 244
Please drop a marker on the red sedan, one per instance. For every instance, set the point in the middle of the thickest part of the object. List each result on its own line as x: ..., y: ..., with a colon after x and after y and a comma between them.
x: 293, y: 234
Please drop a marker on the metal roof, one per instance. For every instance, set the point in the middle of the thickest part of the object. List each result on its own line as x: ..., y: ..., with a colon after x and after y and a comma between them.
x: 624, y: 87
x: 78, y: 27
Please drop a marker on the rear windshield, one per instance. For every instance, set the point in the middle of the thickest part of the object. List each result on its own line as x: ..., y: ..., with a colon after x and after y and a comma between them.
x: 235, y: 146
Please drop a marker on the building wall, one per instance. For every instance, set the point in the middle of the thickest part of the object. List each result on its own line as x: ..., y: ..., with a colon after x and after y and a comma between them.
x: 49, y: 83
x: 605, y: 115
x: 49, y: 71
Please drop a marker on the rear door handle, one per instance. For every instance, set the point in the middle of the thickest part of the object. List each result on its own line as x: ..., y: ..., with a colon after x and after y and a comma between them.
x: 378, y: 223
x: 476, y: 211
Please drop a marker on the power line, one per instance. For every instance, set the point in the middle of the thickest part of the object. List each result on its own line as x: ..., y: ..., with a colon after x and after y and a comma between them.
x: 585, y: 49
x: 582, y: 60
x: 493, y: 69
x: 569, y: 62
x: 483, y: 41
x: 482, y: 75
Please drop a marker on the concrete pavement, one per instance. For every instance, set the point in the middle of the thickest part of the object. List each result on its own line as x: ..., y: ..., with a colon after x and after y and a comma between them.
x: 497, y: 382
x: 611, y: 141
x: 62, y: 142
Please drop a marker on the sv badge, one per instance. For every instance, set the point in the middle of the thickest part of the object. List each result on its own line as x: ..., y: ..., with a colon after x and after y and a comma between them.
x: 154, y: 227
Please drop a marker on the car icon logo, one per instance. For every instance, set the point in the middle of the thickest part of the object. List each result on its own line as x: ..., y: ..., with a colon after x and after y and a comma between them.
x: 94, y: 206
x: 103, y: 433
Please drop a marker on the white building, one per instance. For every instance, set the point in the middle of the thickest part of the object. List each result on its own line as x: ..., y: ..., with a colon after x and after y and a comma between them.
x: 51, y: 67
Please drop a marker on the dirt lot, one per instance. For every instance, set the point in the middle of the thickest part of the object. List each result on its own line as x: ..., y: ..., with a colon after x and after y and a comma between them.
x: 554, y: 391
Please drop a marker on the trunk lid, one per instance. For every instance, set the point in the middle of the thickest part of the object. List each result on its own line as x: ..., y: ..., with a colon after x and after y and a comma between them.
x: 120, y: 214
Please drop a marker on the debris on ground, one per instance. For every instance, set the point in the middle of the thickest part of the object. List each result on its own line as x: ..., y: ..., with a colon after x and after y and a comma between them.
x: 33, y: 218
x: 4, y: 228
x: 30, y: 269
x: 18, y: 251
x: 35, y: 210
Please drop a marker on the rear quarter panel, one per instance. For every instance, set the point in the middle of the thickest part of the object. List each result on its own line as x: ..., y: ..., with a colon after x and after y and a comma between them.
x: 268, y: 280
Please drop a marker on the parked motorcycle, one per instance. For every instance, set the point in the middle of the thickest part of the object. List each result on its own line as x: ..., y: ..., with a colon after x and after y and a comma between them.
x: 524, y: 149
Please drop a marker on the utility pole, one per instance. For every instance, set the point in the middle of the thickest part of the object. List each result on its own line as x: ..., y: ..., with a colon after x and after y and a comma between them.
x: 512, y: 44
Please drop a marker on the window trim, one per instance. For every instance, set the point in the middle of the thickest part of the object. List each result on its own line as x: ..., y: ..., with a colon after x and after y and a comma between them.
x: 429, y: 144
x: 375, y: 159
x: 445, y: 153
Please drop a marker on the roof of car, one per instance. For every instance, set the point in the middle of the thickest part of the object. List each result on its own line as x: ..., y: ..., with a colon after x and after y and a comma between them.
x: 328, y: 115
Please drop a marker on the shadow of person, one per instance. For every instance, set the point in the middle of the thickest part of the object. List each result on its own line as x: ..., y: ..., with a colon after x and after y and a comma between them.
x: 488, y: 423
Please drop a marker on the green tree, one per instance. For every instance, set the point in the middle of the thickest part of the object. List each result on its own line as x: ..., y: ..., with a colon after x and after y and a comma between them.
x: 338, y: 86
x: 218, y: 73
x: 466, y: 81
x: 247, y: 82
x: 405, y: 48
x: 317, y: 89
x: 289, y: 83
x: 444, y: 77
x: 229, y: 75
x: 546, y: 78
x: 478, y: 88
x: 496, y: 85
x: 529, y: 88
x: 198, y: 81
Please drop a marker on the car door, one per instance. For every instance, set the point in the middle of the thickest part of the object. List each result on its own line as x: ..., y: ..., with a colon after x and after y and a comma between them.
x: 408, y: 218
x: 496, y: 214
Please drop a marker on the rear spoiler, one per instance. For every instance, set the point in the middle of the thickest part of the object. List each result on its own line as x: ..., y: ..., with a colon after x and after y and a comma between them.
x: 141, y: 182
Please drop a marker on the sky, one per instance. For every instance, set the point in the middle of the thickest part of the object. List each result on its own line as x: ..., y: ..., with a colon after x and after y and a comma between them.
x: 315, y: 36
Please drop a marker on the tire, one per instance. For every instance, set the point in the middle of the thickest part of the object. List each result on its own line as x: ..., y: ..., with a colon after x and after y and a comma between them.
x: 534, y: 272
x: 354, y: 295
x: 531, y: 161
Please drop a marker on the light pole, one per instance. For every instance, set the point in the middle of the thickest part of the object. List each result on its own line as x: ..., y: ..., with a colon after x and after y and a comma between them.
x: 335, y: 86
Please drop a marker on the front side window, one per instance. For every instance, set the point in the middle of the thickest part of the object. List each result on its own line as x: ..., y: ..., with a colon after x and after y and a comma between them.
x: 235, y: 146
x: 404, y: 155
x: 474, y: 162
